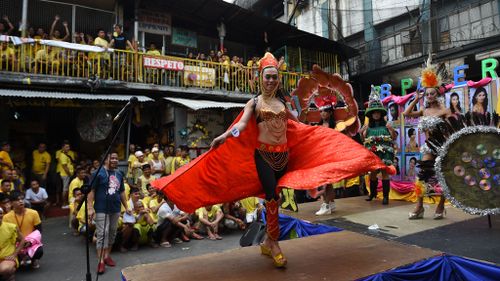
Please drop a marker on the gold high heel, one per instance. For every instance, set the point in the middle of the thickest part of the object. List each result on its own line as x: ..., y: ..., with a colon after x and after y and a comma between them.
x: 417, y: 215
x: 265, y: 250
x: 279, y: 260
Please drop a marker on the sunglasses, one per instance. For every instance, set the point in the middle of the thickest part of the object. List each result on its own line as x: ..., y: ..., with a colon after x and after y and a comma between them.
x: 271, y: 76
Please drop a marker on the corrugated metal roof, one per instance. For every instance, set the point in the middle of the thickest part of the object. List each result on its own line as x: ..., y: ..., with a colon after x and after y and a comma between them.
x: 203, y: 104
x: 66, y: 95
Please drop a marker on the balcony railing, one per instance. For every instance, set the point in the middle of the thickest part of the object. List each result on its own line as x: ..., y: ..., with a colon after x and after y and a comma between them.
x: 134, y: 67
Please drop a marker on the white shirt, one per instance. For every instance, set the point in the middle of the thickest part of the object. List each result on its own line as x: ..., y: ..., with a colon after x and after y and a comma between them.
x: 40, y: 196
x: 166, y: 212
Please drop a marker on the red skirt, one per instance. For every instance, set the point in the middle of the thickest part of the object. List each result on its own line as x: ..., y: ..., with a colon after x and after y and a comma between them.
x: 317, y: 156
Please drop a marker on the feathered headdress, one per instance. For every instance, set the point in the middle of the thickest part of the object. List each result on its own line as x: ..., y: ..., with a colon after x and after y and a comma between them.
x: 430, y: 77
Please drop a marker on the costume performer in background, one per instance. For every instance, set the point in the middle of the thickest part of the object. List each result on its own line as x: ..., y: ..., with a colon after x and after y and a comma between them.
x: 262, y: 151
x: 378, y: 137
x: 431, y: 118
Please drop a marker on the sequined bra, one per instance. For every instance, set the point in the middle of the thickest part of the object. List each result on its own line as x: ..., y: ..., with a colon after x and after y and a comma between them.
x: 269, y: 115
x: 427, y: 123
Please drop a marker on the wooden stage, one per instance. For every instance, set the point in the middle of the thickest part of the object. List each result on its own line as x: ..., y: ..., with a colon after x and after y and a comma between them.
x: 340, y: 255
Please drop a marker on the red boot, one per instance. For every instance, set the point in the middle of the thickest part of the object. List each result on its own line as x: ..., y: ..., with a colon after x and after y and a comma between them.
x: 273, y: 230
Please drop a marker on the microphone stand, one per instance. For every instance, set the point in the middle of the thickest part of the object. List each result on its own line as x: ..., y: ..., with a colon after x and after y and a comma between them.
x: 87, y: 188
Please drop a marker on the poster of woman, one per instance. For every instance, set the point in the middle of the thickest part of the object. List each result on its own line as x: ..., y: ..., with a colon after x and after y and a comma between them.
x: 408, y: 120
x: 411, y: 166
x: 411, y: 140
x: 394, y: 114
x: 397, y: 141
x: 398, y: 166
x: 455, y: 101
x: 479, y: 100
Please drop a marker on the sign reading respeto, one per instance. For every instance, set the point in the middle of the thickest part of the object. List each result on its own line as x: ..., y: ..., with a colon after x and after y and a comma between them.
x: 154, y: 62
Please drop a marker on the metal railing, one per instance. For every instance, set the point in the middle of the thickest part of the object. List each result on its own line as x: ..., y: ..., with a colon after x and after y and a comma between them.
x: 135, y: 67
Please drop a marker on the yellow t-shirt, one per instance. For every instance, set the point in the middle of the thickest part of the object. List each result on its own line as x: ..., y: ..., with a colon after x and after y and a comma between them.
x: 210, y: 215
x: 144, y: 182
x: 8, y: 237
x: 154, y: 203
x: 250, y: 203
x: 7, y: 53
x: 26, y: 222
x: 64, y: 159
x: 178, y: 162
x: 153, y: 53
x: 131, y: 160
x: 4, y: 155
x: 75, y: 183
x: 40, y: 161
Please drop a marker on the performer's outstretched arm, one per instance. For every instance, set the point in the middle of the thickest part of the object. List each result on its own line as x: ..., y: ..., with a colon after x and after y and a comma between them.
x: 236, y: 128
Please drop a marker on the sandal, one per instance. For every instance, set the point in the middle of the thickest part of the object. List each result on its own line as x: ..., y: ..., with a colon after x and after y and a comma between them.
x: 279, y: 260
x: 166, y: 244
x: 265, y: 250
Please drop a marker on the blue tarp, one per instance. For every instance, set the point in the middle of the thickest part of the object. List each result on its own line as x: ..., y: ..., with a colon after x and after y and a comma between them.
x: 302, y: 228
x: 445, y: 267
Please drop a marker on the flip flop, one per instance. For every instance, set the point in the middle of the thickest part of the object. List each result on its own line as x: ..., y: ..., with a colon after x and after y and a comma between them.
x: 166, y: 244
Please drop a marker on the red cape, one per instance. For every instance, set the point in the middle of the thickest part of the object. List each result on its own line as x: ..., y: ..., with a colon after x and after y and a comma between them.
x: 317, y: 156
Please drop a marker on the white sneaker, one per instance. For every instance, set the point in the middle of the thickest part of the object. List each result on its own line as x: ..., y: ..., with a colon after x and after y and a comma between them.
x: 324, y: 210
x: 332, y: 206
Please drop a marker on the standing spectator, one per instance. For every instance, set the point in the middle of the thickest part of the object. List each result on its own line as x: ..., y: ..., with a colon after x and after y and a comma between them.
x: 104, y: 203
x: 131, y: 160
x: 77, y: 182
x: 104, y: 57
x: 66, y: 169
x: 3, y: 30
x: 137, y: 166
x: 29, y: 223
x: 120, y: 42
x: 55, y: 34
x: 6, y: 187
x: 10, y: 236
x: 156, y: 163
x: 17, y: 180
x: 37, y: 196
x: 144, y: 180
x: 5, y: 202
x: 73, y: 210
x: 40, y: 34
x: 168, y: 154
x: 180, y: 160
x: 41, y: 164
x: 5, y: 161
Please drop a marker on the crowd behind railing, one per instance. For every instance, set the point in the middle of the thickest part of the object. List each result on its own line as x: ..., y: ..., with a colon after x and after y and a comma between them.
x: 114, y: 56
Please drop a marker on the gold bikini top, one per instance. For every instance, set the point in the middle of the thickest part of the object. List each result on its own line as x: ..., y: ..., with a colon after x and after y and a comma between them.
x: 269, y: 115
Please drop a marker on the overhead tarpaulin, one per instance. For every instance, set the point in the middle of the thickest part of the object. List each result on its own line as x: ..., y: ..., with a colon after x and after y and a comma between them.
x: 445, y: 267
x: 205, y: 104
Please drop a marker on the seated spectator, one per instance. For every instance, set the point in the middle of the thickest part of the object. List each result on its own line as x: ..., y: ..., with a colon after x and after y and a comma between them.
x: 17, y: 180
x: 37, y: 196
x: 234, y: 216
x: 6, y: 21
x: 73, y: 210
x: 139, y: 231
x: 10, y: 236
x: 172, y: 224
x: 46, y: 59
x: 6, y: 187
x: 154, y: 202
x: 56, y: 34
x: 137, y: 166
x: 5, y: 202
x: 181, y: 159
x: 252, y: 208
x: 29, y: 223
x: 209, y: 218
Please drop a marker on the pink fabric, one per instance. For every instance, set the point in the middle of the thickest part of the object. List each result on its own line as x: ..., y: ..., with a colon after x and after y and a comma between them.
x: 399, y: 186
x: 480, y: 83
x: 400, y: 100
x: 35, y: 238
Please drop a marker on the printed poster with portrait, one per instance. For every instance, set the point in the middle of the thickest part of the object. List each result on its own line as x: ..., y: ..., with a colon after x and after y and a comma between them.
x: 411, y: 120
x: 398, y: 164
x: 411, y: 170
x: 480, y: 99
x: 394, y: 114
x: 412, y: 140
x: 455, y: 100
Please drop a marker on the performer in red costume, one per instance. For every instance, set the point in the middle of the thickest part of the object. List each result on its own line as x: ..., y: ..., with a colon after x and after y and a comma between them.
x: 262, y: 151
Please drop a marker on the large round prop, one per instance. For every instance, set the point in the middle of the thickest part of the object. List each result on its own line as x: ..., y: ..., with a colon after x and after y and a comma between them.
x: 468, y: 169
x: 94, y: 125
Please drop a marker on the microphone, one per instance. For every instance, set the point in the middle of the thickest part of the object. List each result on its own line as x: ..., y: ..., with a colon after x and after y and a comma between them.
x: 132, y: 101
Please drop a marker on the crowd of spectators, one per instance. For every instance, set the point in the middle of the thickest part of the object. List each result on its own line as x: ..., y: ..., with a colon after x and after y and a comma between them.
x: 152, y: 219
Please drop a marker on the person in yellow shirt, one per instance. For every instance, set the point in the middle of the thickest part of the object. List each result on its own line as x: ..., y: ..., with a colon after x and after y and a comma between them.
x: 209, y: 218
x: 27, y: 220
x: 252, y: 207
x: 144, y: 180
x: 66, y: 169
x: 5, y: 161
x: 180, y: 160
x: 77, y: 182
x: 7, y: 55
x: 10, y: 236
x: 47, y: 60
x: 104, y: 57
x: 41, y: 164
x: 77, y: 196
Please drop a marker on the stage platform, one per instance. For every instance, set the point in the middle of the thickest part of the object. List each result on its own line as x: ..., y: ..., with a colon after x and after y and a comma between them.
x: 341, y: 255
